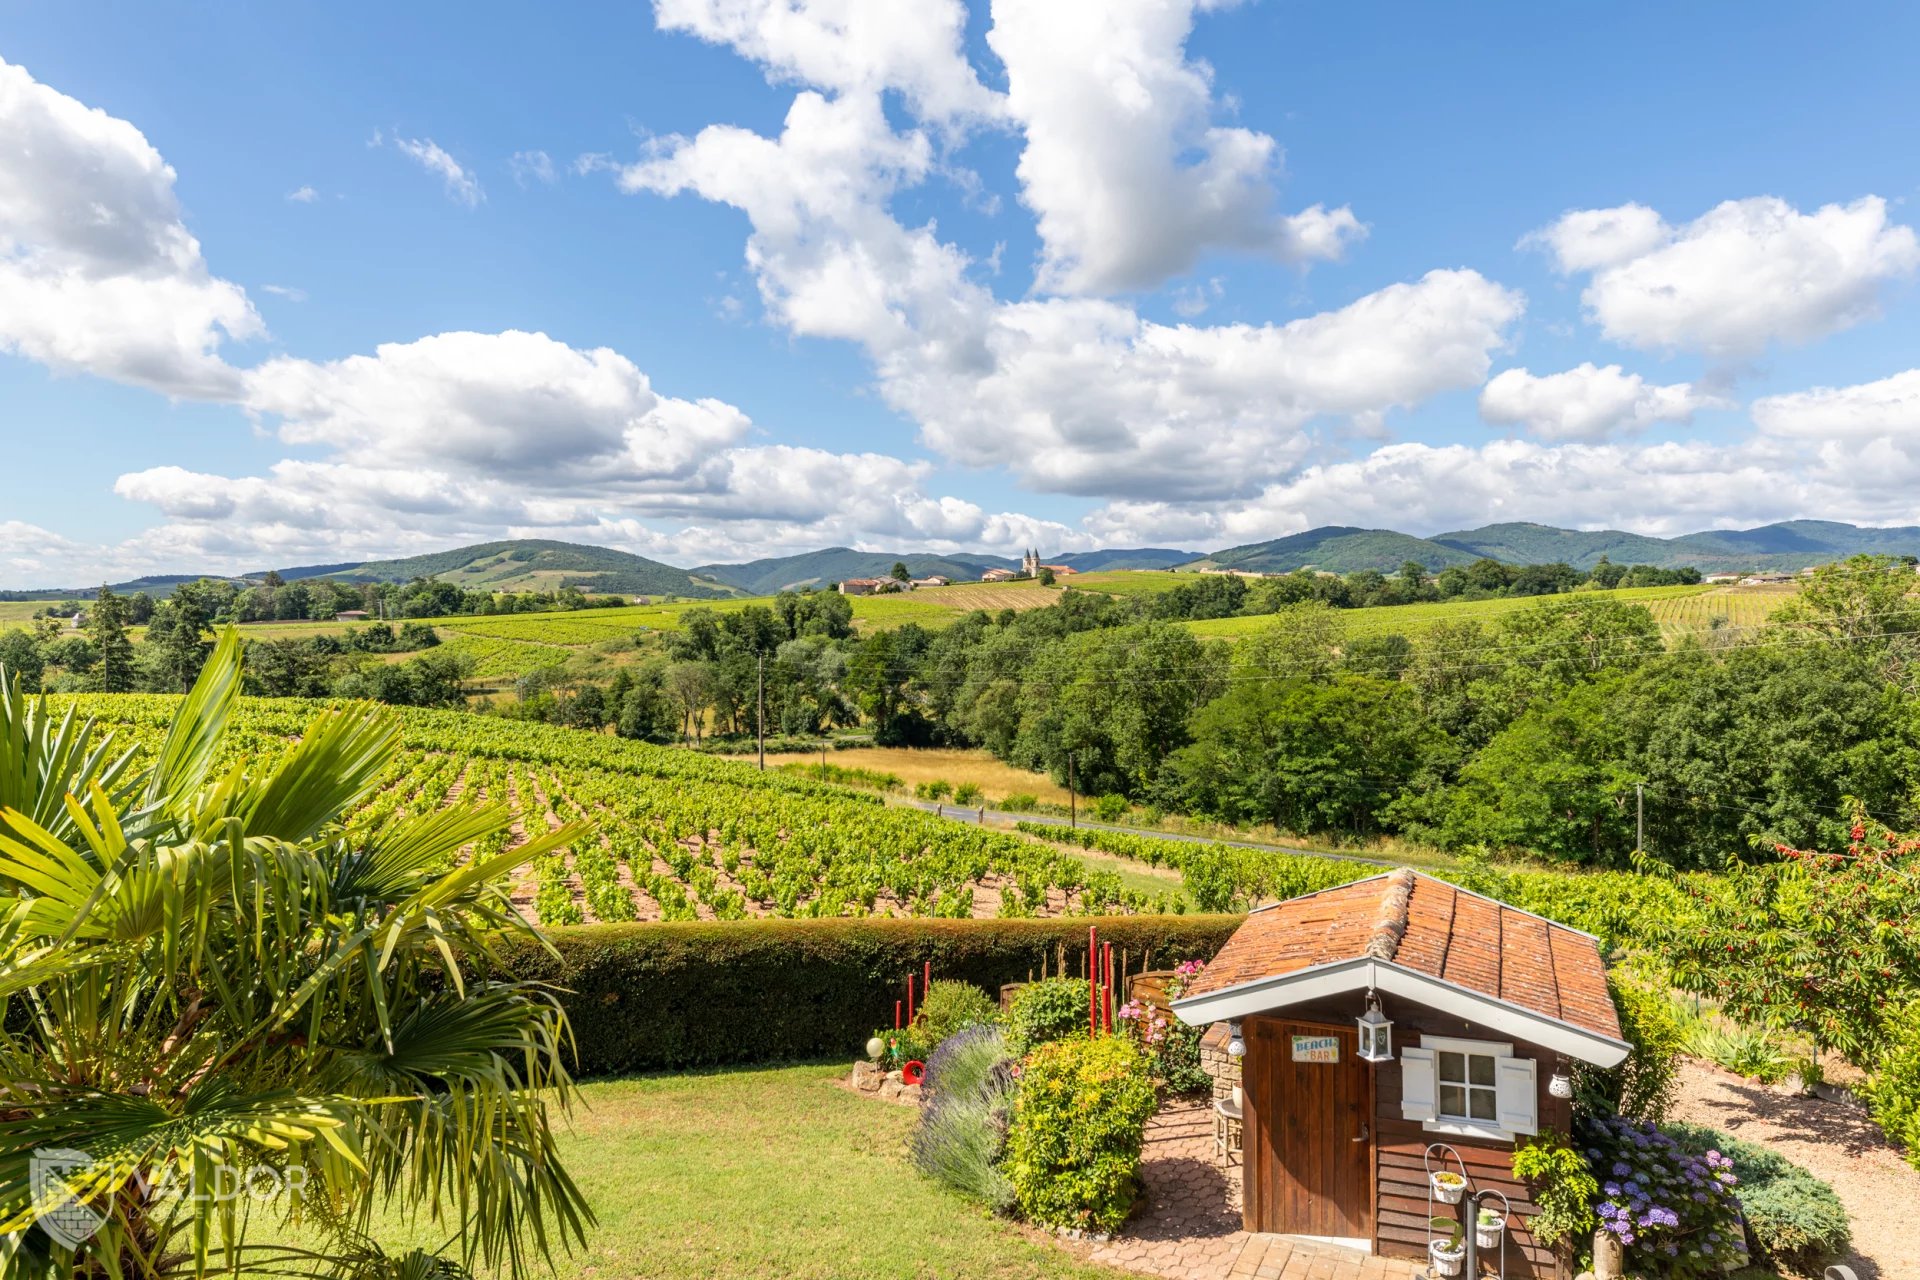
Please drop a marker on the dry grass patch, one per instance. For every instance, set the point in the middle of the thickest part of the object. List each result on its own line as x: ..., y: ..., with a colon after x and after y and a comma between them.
x: 926, y: 764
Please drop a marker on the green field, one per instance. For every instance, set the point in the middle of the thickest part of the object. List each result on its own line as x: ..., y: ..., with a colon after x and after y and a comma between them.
x: 1128, y: 582
x: 1412, y: 619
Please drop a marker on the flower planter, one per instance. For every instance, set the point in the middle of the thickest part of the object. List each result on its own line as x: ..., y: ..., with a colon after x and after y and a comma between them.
x: 1447, y: 1259
x: 1447, y: 1189
x: 1486, y: 1235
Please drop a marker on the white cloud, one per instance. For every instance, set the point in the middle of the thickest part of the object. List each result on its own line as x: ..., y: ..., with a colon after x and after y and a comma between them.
x: 303, y: 195
x: 1745, y: 274
x: 1073, y: 395
x: 1587, y: 402
x: 1659, y: 489
x: 462, y: 186
x: 286, y: 291
x: 848, y: 46
x: 508, y: 403
x: 1886, y: 411
x: 533, y: 166
x: 1129, y: 176
x: 98, y: 273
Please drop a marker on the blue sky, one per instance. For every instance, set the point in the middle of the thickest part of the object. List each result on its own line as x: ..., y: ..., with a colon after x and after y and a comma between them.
x: 300, y: 283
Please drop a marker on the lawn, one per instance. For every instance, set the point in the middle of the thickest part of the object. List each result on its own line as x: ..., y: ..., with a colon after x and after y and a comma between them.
x: 776, y: 1172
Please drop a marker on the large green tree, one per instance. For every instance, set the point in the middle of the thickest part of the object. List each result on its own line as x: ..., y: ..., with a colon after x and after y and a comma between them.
x: 113, y: 651
x: 211, y: 980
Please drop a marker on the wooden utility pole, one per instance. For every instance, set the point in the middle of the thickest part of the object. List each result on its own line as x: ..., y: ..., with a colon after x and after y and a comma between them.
x: 1073, y: 803
x: 760, y: 720
x: 1640, y: 817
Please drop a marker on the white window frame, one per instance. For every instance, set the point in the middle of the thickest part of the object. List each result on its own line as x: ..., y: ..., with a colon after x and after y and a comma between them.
x: 1466, y: 1126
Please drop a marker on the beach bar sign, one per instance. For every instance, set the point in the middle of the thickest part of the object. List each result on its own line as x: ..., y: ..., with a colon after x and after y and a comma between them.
x: 1316, y: 1048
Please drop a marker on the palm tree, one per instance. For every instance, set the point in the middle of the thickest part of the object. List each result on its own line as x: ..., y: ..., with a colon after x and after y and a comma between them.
x: 212, y: 982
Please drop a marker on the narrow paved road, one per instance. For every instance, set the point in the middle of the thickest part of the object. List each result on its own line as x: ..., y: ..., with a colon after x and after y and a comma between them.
x: 1006, y: 818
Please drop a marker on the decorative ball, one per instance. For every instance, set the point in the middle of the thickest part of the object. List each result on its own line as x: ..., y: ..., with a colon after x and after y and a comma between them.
x: 876, y: 1047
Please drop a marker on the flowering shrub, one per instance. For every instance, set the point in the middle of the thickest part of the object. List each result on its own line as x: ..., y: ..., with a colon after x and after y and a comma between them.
x: 1172, y: 1047
x: 1673, y: 1211
x: 1794, y: 1220
x: 1073, y: 1150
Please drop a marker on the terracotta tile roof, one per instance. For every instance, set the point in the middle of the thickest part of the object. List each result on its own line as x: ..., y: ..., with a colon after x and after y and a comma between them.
x: 1431, y: 927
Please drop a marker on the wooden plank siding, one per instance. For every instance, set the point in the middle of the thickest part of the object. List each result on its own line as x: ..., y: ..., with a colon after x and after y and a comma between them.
x: 1400, y: 1188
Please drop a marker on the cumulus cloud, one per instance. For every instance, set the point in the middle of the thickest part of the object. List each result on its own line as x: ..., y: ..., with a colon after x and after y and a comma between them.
x: 1890, y: 406
x: 1128, y: 174
x: 513, y: 402
x: 1072, y: 395
x: 1661, y: 489
x: 461, y: 184
x: 98, y: 272
x: 1588, y: 402
x: 303, y: 195
x: 1743, y: 275
x: 849, y: 46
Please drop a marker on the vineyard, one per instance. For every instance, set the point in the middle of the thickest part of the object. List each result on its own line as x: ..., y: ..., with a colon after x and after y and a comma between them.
x: 675, y: 835
x: 1412, y: 619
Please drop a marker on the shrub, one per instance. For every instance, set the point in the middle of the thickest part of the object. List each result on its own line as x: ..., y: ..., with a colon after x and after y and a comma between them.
x: 1172, y: 1047
x: 936, y: 789
x: 1672, y: 1210
x: 1747, y: 1051
x: 1110, y: 808
x: 1020, y: 802
x: 1643, y: 1086
x: 666, y: 996
x: 1894, y: 1089
x: 902, y: 1046
x: 1073, y: 1149
x: 1793, y: 1218
x: 1042, y: 1012
x: 952, y: 1006
x: 1562, y: 1186
x: 961, y: 1133
x: 969, y: 794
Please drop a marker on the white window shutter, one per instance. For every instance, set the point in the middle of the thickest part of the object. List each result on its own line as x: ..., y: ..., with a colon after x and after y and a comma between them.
x: 1518, y: 1095
x: 1419, y: 1085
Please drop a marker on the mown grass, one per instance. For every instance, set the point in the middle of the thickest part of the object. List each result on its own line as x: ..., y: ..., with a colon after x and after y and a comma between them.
x: 758, y: 1173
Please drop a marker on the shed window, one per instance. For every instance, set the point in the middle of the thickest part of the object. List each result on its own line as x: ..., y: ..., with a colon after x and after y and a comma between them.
x: 1475, y: 1088
x: 1467, y: 1084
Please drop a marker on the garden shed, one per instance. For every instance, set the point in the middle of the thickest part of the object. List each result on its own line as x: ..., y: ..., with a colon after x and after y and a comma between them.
x: 1485, y: 1010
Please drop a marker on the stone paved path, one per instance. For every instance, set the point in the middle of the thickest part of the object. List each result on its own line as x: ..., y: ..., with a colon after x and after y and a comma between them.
x: 1190, y: 1228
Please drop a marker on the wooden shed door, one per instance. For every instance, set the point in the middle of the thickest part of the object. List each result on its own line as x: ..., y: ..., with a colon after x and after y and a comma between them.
x: 1309, y: 1145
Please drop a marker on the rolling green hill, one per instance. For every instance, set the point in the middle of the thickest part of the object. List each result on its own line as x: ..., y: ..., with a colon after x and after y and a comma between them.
x: 1337, y: 549
x: 535, y: 563
x: 1520, y: 543
x: 836, y: 564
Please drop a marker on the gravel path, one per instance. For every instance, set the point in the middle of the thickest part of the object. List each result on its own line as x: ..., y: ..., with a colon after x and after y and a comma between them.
x: 1835, y: 1141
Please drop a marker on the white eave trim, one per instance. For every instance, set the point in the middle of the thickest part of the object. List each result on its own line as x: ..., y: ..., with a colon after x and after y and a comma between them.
x: 1265, y: 995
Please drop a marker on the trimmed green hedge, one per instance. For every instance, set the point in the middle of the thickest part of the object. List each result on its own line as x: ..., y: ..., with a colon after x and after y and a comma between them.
x: 663, y: 996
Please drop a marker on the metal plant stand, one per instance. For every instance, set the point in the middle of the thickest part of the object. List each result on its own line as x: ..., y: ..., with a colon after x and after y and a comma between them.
x: 1466, y: 1206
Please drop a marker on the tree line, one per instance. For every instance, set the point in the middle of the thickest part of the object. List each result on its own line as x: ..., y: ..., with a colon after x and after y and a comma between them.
x: 1570, y: 729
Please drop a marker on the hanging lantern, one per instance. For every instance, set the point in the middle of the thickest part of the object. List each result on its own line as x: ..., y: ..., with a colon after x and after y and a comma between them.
x: 1561, y: 1085
x: 1236, y: 1047
x: 1376, y: 1033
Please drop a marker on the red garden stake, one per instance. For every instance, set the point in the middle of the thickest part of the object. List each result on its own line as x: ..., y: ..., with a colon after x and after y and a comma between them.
x: 1107, y: 974
x: 1093, y: 982
x: 909, y: 999
x: 926, y: 982
x: 896, y: 1015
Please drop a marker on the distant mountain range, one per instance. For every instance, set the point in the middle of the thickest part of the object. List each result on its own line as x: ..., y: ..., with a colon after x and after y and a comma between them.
x: 1793, y: 544
x: 532, y: 563
x: 835, y: 564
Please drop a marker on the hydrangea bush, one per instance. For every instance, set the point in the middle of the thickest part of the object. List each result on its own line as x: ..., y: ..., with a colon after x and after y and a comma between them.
x: 1673, y: 1211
